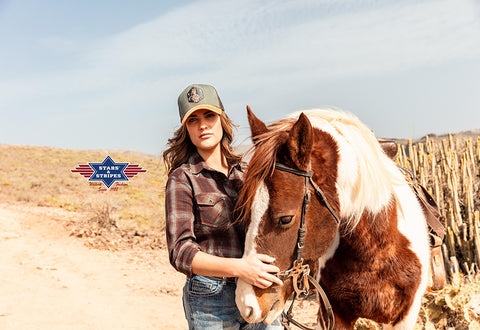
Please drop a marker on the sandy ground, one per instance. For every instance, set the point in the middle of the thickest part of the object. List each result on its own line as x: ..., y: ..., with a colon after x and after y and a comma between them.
x: 50, y: 280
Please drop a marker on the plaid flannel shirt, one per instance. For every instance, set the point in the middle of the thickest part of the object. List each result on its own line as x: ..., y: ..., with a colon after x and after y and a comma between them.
x: 199, y: 204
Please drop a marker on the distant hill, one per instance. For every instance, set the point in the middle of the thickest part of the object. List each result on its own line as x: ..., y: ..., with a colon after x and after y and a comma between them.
x: 42, y: 176
x: 473, y: 134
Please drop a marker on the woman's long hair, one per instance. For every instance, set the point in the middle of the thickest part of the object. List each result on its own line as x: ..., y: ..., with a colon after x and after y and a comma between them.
x: 180, y: 147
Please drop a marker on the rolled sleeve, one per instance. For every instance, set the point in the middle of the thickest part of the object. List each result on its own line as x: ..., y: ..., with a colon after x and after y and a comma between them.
x: 179, y: 211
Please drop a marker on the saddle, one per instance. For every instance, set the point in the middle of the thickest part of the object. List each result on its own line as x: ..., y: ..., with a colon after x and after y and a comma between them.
x: 432, y: 215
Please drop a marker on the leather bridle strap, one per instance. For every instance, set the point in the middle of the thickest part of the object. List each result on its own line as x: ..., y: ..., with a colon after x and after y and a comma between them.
x: 285, y: 168
x: 298, y: 269
x: 318, y: 191
x: 331, y: 317
x: 330, y: 322
x: 306, y: 202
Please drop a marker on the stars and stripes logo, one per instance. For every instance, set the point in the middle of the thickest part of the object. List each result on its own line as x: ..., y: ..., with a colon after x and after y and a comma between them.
x: 108, y: 172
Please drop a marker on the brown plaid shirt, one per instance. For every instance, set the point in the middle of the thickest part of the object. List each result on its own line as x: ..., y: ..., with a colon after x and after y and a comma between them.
x: 199, y: 204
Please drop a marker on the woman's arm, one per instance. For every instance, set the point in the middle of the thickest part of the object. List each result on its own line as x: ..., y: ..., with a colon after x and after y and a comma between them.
x: 254, y: 269
x: 179, y: 226
x: 185, y: 254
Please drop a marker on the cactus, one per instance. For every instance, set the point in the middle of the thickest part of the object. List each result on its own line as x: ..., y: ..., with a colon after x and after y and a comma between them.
x: 449, y: 169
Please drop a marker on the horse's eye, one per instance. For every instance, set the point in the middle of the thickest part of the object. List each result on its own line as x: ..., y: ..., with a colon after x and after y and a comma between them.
x: 285, y: 220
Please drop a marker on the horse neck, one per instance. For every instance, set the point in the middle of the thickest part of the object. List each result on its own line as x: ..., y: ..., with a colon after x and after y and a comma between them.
x: 373, y: 231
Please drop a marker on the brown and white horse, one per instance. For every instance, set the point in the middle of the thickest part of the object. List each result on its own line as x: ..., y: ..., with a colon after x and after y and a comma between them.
x: 373, y: 263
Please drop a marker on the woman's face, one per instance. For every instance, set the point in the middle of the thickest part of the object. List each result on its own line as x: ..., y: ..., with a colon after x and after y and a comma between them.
x: 205, y: 129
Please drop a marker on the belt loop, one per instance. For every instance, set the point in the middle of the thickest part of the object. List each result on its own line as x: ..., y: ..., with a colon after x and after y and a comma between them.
x: 224, y: 280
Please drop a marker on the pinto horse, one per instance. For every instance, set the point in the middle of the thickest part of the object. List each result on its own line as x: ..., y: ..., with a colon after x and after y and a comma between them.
x: 366, y: 238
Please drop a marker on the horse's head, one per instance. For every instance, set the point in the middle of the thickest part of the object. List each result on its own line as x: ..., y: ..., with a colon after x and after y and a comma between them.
x: 272, y: 200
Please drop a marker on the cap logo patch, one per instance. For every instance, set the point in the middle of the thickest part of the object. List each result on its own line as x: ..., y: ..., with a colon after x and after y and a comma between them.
x: 195, y: 95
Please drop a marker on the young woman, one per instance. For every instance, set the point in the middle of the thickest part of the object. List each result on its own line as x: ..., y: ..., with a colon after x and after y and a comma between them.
x: 203, y: 242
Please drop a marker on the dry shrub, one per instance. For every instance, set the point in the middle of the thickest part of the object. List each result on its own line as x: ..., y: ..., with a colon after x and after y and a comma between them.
x: 457, y: 306
x: 102, y: 231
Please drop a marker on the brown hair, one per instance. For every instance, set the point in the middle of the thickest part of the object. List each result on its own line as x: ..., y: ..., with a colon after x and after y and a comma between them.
x: 180, y: 147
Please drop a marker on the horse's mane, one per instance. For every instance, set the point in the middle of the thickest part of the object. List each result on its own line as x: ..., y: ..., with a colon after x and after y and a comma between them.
x: 261, y: 164
x: 366, y: 176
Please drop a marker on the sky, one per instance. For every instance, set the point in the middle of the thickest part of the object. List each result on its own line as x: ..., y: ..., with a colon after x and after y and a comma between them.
x: 106, y: 74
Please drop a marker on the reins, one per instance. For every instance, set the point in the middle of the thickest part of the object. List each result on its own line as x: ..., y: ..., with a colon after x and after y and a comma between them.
x: 299, y: 272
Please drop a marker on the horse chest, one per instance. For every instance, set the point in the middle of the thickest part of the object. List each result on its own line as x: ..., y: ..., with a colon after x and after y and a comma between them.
x: 375, y: 284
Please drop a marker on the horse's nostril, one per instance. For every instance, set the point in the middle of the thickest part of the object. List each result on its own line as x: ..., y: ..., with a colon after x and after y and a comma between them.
x: 248, y: 312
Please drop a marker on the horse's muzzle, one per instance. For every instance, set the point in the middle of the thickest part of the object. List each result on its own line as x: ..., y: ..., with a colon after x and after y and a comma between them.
x: 257, y: 305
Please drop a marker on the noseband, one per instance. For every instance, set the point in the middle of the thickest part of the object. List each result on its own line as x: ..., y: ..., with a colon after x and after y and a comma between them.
x: 301, y: 273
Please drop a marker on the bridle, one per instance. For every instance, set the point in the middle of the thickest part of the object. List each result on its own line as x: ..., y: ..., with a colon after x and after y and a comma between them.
x: 299, y: 272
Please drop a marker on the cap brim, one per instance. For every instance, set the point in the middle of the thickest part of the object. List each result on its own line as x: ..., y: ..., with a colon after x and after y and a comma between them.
x: 198, y: 107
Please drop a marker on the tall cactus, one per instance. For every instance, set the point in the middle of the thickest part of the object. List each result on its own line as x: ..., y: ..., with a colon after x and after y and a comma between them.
x: 449, y: 169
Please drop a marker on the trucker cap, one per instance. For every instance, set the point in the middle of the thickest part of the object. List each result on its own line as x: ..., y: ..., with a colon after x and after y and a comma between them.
x: 196, y: 97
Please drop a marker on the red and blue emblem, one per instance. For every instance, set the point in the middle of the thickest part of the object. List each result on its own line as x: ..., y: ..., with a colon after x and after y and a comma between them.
x: 108, y: 172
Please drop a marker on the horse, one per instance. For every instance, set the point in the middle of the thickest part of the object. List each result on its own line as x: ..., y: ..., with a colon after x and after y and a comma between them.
x: 365, y: 236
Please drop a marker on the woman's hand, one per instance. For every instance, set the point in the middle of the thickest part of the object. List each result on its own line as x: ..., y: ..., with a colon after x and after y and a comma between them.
x: 256, y: 270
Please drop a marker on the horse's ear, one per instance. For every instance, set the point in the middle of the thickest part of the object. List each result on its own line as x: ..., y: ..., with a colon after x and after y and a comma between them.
x: 300, y: 142
x: 257, y: 126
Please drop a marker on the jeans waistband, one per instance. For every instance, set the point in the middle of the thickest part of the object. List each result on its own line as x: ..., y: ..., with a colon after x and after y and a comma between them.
x: 223, y: 279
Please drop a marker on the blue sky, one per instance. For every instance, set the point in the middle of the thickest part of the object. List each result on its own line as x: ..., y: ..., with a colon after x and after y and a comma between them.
x: 106, y: 74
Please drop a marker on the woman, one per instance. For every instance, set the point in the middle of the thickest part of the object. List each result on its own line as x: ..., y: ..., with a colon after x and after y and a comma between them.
x: 203, y: 242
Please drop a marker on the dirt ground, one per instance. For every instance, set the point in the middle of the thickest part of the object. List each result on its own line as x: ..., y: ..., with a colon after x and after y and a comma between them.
x: 51, y: 280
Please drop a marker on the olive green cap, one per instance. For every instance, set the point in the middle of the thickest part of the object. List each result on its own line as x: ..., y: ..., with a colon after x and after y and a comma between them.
x: 196, y: 97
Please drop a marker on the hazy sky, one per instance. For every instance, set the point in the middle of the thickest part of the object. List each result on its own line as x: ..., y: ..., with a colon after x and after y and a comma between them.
x: 106, y: 74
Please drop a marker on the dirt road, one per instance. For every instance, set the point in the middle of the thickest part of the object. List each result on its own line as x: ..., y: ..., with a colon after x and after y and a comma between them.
x: 50, y: 280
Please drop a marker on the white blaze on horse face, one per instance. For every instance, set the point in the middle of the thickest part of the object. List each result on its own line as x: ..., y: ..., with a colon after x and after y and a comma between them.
x: 244, y: 295
x: 259, y: 207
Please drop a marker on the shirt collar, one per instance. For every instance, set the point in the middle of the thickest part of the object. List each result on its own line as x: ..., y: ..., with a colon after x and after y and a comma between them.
x: 197, y: 164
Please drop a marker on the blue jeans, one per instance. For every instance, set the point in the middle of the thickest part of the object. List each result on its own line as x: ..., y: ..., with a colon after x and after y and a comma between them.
x: 209, y: 303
